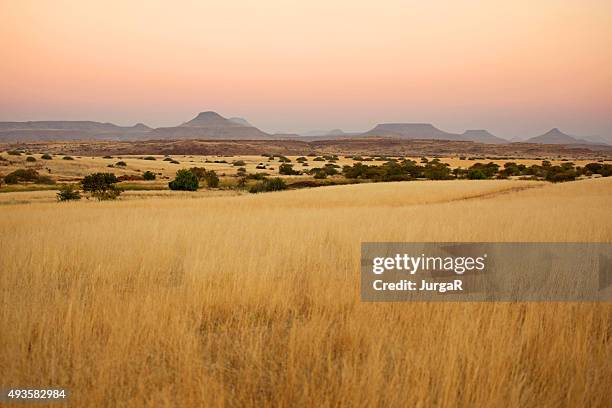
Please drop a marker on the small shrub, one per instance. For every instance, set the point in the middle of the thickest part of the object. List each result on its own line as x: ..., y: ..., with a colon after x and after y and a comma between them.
x: 107, y: 157
x: 121, y: 164
x: 30, y: 159
x: 239, y: 163
x: 174, y: 162
x: 184, y: 180
x: 287, y: 169
x: 46, y: 156
x: 212, y: 180
x: 14, y: 153
x: 102, y: 186
x: 273, y: 184
x: 167, y: 159
x: 149, y: 158
x: 68, y: 192
x: 67, y: 158
x: 149, y: 175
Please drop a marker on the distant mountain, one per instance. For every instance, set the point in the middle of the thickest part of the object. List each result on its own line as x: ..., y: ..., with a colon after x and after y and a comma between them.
x: 555, y: 136
x: 241, y: 121
x: 411, y: 131
x: 211, y: 125
x: 69, y: 130
x: 482, y: 136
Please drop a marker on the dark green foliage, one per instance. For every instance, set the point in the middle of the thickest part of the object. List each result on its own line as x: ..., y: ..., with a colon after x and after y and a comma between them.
x: 239, y: 163
x: 320, y: 174
x: 287, y: 169
x: 476, y: 174
x: 148, y: 175
x: 46, y: 156
x: 149, y: 158
x: 488, y: 170
x: 241, y: 171
x: 121, y: 164
x: 67, y: 158
x: 14, y: 153
x: 318, y: 159
x: 273, y: 184
x: 174, y: 162
x: 184, y: 180
x: 68, y: 192
x: 26, y: 175
x: 30, y: 159
x: 301, y: 159
x: 167, y: 159
x: 208, y: 176
x: 211, y: 178
x: 101, y: 186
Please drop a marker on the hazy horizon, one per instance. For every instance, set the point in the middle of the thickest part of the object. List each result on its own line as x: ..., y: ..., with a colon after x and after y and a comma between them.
x: 517, y: 69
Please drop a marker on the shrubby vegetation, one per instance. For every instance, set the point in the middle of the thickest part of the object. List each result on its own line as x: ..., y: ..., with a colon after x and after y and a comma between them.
x: 273, y: 184
x: 27, y: 175
x: 184, y: 180
x: 208, y: 176
x: 46, y: 156
x: 68, y: 192
x: 393, y: 170
x: 102, y: 186
x: 287, y: 169
x: 149, y: 175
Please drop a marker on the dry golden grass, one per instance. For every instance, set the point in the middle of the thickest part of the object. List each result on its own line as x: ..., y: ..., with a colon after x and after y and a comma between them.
x: 254, y: 300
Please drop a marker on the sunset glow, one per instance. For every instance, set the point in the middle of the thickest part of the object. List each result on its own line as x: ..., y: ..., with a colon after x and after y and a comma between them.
x: 515, y: 68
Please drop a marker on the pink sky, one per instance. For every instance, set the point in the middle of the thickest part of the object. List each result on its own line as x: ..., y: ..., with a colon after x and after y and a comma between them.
x: 516, y: 68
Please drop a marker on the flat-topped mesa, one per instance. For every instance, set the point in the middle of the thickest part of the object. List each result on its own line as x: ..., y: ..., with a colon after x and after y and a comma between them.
x: 411, y: 131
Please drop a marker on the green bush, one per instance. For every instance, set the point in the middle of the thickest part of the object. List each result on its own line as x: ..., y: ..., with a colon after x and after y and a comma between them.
x: 21, y: 175
x: 212, y: 180
x: 121, y: 164
x: 476, y: 174
x: 184, y: 180
x: 273, y: 184
x: 46, y: 156
x: 102, y: 186
x: 287, y: 169
x: 239, y: 163
x: 67, y: 158
x: 149, y: 158
x: 30, y: 159
x: 68, y: 192
x: 148, y: 175
x: 14, y: 153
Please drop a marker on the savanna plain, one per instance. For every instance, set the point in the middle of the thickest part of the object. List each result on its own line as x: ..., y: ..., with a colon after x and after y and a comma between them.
x: 253, y: 300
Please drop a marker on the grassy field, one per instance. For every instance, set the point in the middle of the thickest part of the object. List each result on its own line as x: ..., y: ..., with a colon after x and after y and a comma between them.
x: 72, y: 170
x: 254, y: 299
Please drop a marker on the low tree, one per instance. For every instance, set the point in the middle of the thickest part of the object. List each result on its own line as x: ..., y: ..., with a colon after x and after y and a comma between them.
x: 46, y: 156
x: 211, y: 178
x: 184, y: 180
x: 149, y: 175
x: 102, y: 186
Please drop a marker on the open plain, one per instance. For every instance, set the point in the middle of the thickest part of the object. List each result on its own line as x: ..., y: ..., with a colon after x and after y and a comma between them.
x: 237, y: 299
